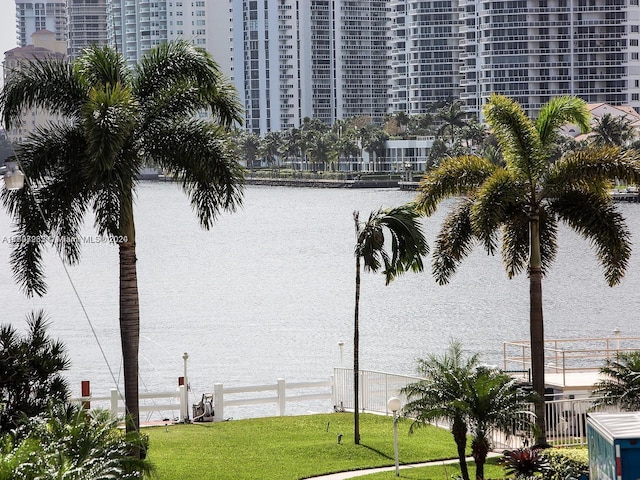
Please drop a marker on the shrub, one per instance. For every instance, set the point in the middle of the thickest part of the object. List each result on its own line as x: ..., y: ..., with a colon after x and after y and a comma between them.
x: 30, y: 372
x: 567, y: 463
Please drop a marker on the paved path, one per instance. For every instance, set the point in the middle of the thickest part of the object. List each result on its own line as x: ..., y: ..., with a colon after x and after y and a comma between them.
x: 361, y: 473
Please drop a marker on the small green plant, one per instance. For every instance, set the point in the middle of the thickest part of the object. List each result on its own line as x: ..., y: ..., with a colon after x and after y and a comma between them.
x: 567, y: 463
x: 524, y: 463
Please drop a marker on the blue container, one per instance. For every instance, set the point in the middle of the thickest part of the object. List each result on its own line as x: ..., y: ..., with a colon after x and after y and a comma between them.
x: 614, y: 446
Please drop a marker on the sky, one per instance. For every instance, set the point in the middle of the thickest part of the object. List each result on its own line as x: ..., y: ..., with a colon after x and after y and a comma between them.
x: 7, y: 26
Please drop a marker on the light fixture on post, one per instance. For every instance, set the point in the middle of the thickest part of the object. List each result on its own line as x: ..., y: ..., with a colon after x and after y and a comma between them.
x: 394, y: 404
x: 185, y: 357
x: 13, y: 177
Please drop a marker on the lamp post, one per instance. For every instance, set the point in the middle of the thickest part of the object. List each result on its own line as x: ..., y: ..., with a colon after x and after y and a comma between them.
x: 394, y: 404
x: 341, y: 347
x: 185, y: 357
x: 13, y: 177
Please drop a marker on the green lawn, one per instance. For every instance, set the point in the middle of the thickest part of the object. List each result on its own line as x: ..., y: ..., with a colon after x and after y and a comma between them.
x: 289, y: 448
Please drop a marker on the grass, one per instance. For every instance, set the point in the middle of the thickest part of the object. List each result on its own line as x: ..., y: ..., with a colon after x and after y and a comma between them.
x: 441, y: 472
x: 289, y: 448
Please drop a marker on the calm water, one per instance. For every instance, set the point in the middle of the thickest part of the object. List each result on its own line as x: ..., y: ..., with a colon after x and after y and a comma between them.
x: 268, y: 293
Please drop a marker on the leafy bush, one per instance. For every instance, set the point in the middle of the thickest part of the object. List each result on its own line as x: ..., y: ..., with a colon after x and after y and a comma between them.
x: 30, y: 369
x: 523, y: 463
x: 69, y: 442
x: 567, y: 463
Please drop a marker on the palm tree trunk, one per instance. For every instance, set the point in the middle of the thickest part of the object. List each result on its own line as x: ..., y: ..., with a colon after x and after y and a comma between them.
x: 459, y: 431
x: 356, y: 346
x: 536, y: 326
x: 129, y: 316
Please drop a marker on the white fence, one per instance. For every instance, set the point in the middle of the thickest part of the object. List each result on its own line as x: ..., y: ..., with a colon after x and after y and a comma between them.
x: 278, y: 394
x: 158, y: 403
x: 269, y: 394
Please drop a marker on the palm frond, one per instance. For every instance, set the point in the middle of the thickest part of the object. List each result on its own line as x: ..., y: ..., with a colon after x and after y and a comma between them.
x: 30, y: 234
x: 454, y: 242
x: 109, y: 118
x: 455, y: 176
x: 499, y: 197
x: 591, y: 167
x: 558, y: 112
x: 517, y: 136
x: 100, y: 66
x: 595, y: 218
x: 49, y: 84
x: 408, y: 244
x: 213, y: 185
x: 181, y: 63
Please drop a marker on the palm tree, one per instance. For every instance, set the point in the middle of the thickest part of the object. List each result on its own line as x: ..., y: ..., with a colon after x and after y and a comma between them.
x: 621, y: 387
x: 494, y: 401
x: 30, y: 371
x: 408, y: 246
x: 612, y: 131
x: 114, y: 119
x: 440, y: 396
x: 524, y: 201
x: 452, y: 118
x: 270, y: 146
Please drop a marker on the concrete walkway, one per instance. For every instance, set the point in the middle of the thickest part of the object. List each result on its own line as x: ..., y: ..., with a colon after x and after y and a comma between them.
x: 362, y: 473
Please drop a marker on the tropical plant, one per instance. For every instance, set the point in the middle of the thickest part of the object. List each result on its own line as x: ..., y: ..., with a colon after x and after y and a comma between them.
x: 440, y: 396
x: 373, y: 140
x: 612, y: 131
x: 113, y: 120
x: 452, y: 118
x: 71, y: 443
x: 523, y: 463
x: 524, y: 200
x: 408, y: 246
x: 621, y: 385
x: 470, y: 397
x: 270, y: 146
x: 30, y: 371
x: 494, y: 402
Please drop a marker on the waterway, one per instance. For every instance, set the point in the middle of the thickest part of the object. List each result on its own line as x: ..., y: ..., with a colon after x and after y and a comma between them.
x: 268, y: 292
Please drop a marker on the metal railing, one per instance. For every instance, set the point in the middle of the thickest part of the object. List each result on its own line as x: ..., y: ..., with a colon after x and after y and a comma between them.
x: 565, y: 419
x: 565, y: 356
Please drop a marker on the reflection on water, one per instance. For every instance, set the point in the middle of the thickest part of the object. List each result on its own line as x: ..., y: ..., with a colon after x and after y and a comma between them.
x: 269, y: 292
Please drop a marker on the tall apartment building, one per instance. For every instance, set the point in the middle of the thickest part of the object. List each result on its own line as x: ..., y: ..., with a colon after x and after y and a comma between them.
x: 425, y: 54
x: 534, y: 50
x: 135, y: 27
x: 87, y: 24
x: 324, y: 59
x: 530, y: 50
x: 35, y: 16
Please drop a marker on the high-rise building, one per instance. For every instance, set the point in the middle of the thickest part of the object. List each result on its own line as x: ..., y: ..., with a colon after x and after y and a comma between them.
x: 34, y: 16
x: 135, y: 27
x: 425, y: 54
x: 530, y: 50
x: 87, y: 24
x: 324, y: 59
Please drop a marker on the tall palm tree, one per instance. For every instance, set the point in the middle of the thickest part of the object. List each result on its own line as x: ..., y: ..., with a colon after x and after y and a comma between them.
x: 524, y: 201
x: 114, y: 119
x: 621, y: 385
x: 440, y: 396
x: 452, y: 117
x: 408, y: 246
